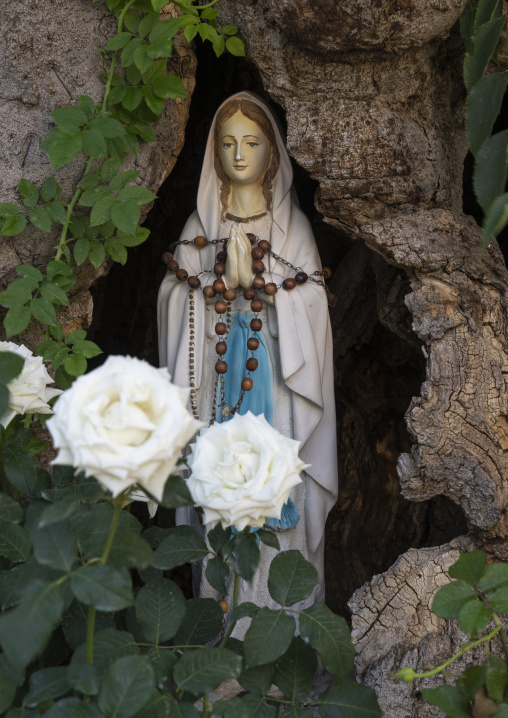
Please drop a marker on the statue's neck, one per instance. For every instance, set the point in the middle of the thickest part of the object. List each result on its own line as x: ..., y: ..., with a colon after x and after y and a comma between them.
x: 246, y: 200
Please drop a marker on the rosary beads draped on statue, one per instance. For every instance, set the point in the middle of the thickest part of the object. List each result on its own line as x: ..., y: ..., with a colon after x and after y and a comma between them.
x: 243, y: 319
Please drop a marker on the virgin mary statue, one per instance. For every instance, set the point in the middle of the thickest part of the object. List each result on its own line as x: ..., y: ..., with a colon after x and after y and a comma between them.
x: 248, y: 210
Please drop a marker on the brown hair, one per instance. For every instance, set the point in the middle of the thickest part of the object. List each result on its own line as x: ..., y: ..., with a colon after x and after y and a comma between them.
x: 255, y: 113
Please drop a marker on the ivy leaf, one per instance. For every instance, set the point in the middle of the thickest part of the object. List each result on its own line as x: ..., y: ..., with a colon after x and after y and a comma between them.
x: 28, y: 192
x: 40, y: 218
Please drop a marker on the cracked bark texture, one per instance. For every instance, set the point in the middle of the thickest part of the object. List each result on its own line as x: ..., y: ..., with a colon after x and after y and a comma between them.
x: 50, y: 56
x: 374, y: 104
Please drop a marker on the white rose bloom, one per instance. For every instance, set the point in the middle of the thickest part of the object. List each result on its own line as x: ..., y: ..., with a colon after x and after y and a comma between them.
x: 123, y: 423
x: 29, y: 391
x: 243, y: 471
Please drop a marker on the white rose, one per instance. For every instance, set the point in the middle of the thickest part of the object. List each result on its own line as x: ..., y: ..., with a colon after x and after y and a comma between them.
x: 124, y: 423
x: 243, y: 471
x: 29, y: 391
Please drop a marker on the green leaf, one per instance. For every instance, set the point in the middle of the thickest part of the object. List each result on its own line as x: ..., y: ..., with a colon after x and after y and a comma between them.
x: 295, y: 670
x: 291, y: 578
x: 28, y: 192
x: 81, y: 249
x: 485, y: 43
x: 449, y: 699
x: 43, y: 310
x: 75, y: 364
x: 483, y: 107
x: 54, y: 294
x: 71, y: 708
x: 15, y: 543
x: 219, y: 45
x: 118, y: 41
x: 474, y: 617
x: 94, y: 144
x: 13, y: 225
x: 169, y: 86
x: 87, y: 348
x: 496, y: 575
x: 246, y: 555
x: 8, y: 690
x: 269, y: 538
x: 55, y: 546
x: 217, y: 573
x: 109, y: 645
x: 11, y: 365
x: 202, y: 670
x: 59, y: 357
x: 257, y: 680
x: 83, y: 678
x: 190, y: 32
x: 160, y: 608
x: 69, y: 116
x: 176, y: 493
x: 103, y: 587
x: 182, y: 545
x: 137, y: 194
x: 229, y: 29
x: 86, y: 104
x: 62, y: 145
x: 10, y: 510
x: 75, y: 626
x: 489, y: 178
x: 96, y: 254
x: 7, y: 209
x: 9, y: 582
x: 125, y: 216
x: 245, y: 609
x: 349, y: 700
x: 144, y: 131
x: 165, y: 28
x: 131, y: 21
x: 268, y: 637
x: 93, y: 195
x: 126, y: 687
x: 249, y: 706
x: 147, y: 24
x: 20, y: 469
x: 16, y: 320
x: 141, y: 58
x: 25, y: 630
x: 450, y: 599
x: 329, y: 635
x: 40, y: 218
x: 132, y: 98
x: 57, y: 212
x: 108, y: 127
x: 202, y: 622
x: 235, y: 46
x: 129, y: 50
x: 499, y: 599
x: 469, y: 567
x: 45, y: 684
x: 101, y: 211
x: 496, y: 679
x: 116, y: 250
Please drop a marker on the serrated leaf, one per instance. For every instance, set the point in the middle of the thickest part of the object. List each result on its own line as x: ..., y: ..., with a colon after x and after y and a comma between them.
x: 132, y: 98
x: 54, y: 294
x: 495, y: 681
x: 109, y: 645
x: 202, y: 622
x: 96, y: 253
x: 269, y: 538
x: 62, y: 145
x: 83, y: 678
x: 268, y: 637
x: 86, y: 104
x: 496, y: 575
x: 15, y: 544
x: 101, y: 211
x: 87, y: 348
x: 182, y: 545
x: 28, y: 193
x: 235, y: 46
x: 169, y: 86
x: 469, y: 567
x: 57, y: 212
x: 202, y: 670
x: 13, y: 226
x: 295, y: 670
x: 329, y: 635
x: 16, y: 320
x: 108, y: 127
x: 46, y: 684
x: 449, y: 699
x: 43, y: 310
x: 125, y: 216
x: 80, y: 250
x: 55, y: 546
x: 143, y: 130
x: 217, y: 574
x: 94, y: 144
x: 9, y: 581
x: 40, y: 218
x: 349, y: 700
x: 291, y: 578
x: 126, y: 687
x: 69, y: 116
x: 450, y: 599
x: 116, y: 250
x: 190, y: 32
x: 247, y: 555
x: 129, y: 50
x: 75, y: 364
x: 8, y: 690
x: 141, y: 58
x: 160, y: 608
x: 103, y: 587
x: 71, y: 708
x: 499, y: 599
x: 20, y: 469
x: 118, y: 41
x: 474, y: 617
x: 10, y: 510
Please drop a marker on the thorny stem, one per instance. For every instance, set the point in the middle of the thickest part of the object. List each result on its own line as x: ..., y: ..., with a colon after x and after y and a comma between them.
x: 502, y: 633
x: 77, y: 193
x: 236, y: 586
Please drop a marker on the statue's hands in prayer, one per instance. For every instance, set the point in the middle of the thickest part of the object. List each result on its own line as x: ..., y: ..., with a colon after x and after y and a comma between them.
x: 239, y: 262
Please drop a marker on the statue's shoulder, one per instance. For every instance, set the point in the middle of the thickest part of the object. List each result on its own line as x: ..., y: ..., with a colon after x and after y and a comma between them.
x: 192, y: 227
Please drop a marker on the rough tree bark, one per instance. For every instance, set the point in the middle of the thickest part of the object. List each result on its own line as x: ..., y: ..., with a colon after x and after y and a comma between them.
x: 374, y: 105
x: 49, y: 57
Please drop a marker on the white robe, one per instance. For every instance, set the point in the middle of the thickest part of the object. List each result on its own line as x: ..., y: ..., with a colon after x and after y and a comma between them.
x: 298, y: 336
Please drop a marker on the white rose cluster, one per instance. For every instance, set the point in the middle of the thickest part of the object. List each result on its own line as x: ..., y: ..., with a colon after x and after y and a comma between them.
x: 124, y: 423
x: 29, y: 392
x: 243, y: 471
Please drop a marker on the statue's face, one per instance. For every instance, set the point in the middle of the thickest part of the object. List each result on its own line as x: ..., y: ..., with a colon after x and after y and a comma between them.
x: 244, y: 150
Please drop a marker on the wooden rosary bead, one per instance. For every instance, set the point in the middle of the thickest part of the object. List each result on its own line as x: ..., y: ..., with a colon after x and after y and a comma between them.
x: 209, y: 291
x: 256, y: 324
x: 289, y: 283
x: 251, y: 364
x: 258, y: 267
x: 256, y: 305
x: 258, y: 282
x: 327, y: 273
x: 251, y: 237
x: 249, y: 293
x: 265, y: 245
x: 257, y: 253
x: 271, y: 288
x: 247, y: 384
x: 332, y: 299
x: 173, y: 265
x: 230, y: 295
x: 182, y: 275
x: 221, y: 348
x: 221, y: 367
x: 221, y: 256
x: 194, y: 282
x: 166, y: 257
x: 200, y: 241
x: 301, y: 278
x: 219, y: 286
x: 220, y: 306
x: 219, y: 268
x: 252, y: 343
x: 220, y: 328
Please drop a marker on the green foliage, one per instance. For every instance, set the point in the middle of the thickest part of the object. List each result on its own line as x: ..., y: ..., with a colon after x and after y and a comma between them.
x: 481, y: 27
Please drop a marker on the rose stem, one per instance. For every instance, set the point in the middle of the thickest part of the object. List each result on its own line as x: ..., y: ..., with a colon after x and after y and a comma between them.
x: 235, y: 603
